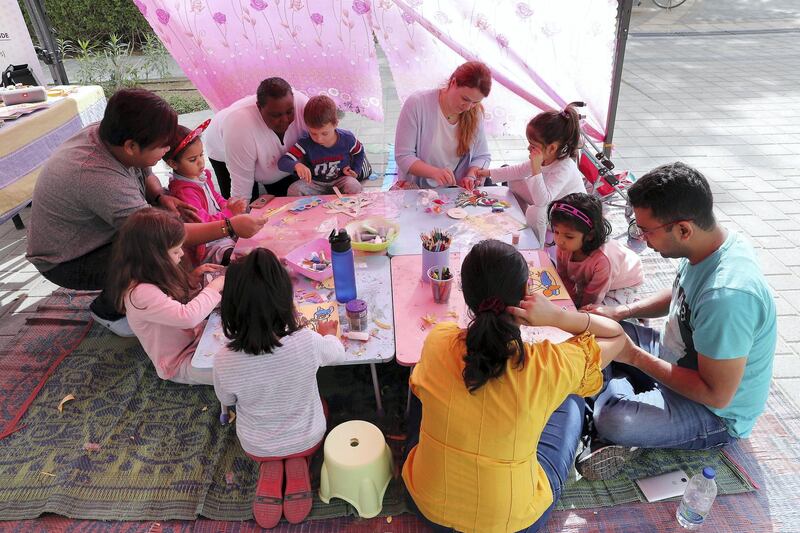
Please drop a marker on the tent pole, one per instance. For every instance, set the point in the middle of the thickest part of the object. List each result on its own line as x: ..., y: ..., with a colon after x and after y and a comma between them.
x: 50, y: 52
x: 624, y: 8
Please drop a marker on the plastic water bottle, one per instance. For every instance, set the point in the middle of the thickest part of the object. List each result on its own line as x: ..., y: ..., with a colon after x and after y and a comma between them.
x: 344, y: 274
x: 697, y: 499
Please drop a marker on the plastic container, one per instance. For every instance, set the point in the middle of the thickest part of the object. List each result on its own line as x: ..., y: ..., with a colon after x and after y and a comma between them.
x: 440, y: 288
x: 361, y: 230
x: 357, y: 314
x: 344, y: 274
x: 433, y: 259
x: 321, y: 247
x: 697, y: 499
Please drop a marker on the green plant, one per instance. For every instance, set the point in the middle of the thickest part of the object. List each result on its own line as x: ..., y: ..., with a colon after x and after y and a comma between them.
x: 88, y: 67
x: 155, y: 58
x: 185, y: 103
x: 121, y: 70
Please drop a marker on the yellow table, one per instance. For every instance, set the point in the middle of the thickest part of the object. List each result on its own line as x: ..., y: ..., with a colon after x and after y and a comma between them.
x: 27, y: 142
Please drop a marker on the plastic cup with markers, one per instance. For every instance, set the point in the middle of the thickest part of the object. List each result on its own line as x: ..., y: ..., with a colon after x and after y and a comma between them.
x: 441, y: 280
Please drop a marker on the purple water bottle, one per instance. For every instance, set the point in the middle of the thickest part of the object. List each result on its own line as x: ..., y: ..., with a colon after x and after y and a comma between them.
x: 344, y: 274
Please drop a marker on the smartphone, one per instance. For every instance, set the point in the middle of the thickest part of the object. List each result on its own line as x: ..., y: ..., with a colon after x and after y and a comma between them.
x: 664, y: 486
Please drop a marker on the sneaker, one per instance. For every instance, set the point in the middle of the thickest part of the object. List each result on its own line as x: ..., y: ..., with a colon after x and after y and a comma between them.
x: 268, y: 504
x: 119, y: 327
x: 298, y: 497
x: 604, y: 461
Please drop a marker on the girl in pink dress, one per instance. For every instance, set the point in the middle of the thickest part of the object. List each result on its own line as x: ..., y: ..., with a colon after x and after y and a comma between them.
x: 591, y: 265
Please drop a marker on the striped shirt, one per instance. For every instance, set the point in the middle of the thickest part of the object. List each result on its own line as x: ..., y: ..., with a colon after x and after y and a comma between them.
x: 325, y: 163
x: 278, y: 407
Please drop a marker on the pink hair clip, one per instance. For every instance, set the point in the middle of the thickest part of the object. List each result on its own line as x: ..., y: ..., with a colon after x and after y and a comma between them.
x: 195, y: 133
x: 574, y: 211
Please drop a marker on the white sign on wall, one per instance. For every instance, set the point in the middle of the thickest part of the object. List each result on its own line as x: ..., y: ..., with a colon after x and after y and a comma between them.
x: 16, y: 47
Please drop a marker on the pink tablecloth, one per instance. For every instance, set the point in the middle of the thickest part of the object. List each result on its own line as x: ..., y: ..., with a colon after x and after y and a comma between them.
x: 413, y: 300
x: 285, y: 230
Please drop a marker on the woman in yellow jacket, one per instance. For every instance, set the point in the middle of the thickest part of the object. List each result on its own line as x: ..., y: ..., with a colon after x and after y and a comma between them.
x: 501, y: 418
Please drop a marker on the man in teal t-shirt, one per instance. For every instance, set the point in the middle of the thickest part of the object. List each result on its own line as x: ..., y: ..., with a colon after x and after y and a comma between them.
x: 703, y: 381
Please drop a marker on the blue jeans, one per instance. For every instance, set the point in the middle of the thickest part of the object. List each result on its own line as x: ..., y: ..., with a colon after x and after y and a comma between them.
x: 556, y: 451
x: 635, y: 410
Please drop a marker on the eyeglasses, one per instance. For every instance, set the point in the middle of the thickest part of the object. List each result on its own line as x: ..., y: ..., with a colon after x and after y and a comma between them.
x: 636, y: 232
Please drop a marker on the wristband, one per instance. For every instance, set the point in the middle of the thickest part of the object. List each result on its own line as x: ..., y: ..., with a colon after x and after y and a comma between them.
x: 229, y: 227
x: 158, y: 197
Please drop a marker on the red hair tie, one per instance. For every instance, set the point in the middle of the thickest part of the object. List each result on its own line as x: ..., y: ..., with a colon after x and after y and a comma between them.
x: 493, y: 304
x: 194, y: 134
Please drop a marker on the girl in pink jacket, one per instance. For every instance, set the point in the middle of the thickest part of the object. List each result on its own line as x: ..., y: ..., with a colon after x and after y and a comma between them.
x: 160, y: 298
x: 191, y: 182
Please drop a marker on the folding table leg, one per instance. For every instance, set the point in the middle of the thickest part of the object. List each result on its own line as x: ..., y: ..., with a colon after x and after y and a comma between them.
x: 377, y: 388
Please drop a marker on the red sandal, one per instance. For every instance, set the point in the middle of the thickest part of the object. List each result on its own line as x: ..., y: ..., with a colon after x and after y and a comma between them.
x: 268, y: 504
x: 297, y: 498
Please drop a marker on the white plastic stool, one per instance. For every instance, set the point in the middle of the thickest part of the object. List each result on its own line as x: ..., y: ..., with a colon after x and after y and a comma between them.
x: 357, y: 467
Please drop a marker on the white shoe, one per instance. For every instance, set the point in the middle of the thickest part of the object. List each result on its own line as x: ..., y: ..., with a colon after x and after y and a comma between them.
x: 119, y: 327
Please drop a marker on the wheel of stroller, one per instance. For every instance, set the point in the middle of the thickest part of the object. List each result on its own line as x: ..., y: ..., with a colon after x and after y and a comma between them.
x: 668, y: 4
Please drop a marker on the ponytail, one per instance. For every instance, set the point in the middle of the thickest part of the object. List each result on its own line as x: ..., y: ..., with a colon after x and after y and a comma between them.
x: 493, y: 276
x: 492, y: 339
x: 560, y: 127
x: 468, y: 122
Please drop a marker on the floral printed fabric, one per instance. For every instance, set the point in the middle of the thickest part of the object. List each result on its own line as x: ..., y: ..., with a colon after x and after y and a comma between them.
x: 543, y: 54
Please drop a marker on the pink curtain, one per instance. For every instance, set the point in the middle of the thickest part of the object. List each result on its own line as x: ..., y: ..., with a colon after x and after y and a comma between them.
x: 543, y: 54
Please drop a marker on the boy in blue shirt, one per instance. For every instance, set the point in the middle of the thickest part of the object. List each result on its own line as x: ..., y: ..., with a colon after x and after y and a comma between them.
x: 703, y: 381
x: 325, y: 157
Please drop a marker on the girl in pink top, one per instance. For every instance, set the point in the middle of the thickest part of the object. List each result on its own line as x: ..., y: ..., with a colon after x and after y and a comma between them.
x: 160, y: 299
x: 191, y: 182
x: 590, y: 265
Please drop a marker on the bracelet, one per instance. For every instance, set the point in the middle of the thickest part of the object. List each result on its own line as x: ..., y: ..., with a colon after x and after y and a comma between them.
x: 588, y: 321
x: 629, y: 313
x: 224, y: 229
x: 158, y: 197
x: 229, y: 227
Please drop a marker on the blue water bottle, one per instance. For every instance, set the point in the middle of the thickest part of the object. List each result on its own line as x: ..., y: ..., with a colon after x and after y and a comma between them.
x: 344, y: 274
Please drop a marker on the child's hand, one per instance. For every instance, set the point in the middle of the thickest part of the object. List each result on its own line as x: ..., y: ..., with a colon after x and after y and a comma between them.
x: 217, y: 283
x: 535, y: 310
x: 196, y: 275
x: 327, y: 328
x: 536, y: 157
x: 483, y: 173
x: 237, y: 206
x: 347, y: 171
x: 303, y: 172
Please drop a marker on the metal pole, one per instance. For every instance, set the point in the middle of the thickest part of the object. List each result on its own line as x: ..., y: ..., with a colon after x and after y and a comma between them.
x: 624, y: 8
x: 44, y: 31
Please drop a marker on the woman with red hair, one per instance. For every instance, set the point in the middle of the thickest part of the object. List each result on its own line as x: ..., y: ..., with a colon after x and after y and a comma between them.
x: 440, y: 139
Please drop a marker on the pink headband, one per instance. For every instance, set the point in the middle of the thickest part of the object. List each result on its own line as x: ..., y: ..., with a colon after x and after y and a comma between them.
x: 574, y: 211
x: 194, y: 134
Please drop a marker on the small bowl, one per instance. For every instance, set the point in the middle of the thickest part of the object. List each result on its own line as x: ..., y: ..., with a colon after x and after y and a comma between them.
x: 295, y: 259
x: 382, y: 225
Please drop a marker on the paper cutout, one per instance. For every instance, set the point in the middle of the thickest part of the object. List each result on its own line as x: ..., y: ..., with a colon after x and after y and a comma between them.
x: 312, y: 314
x: 492, y: 225
x: 348, y: 205
x: 479, y: 198
x: 65, y: 399
x: 546, y: 282
x: 305, y: 203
